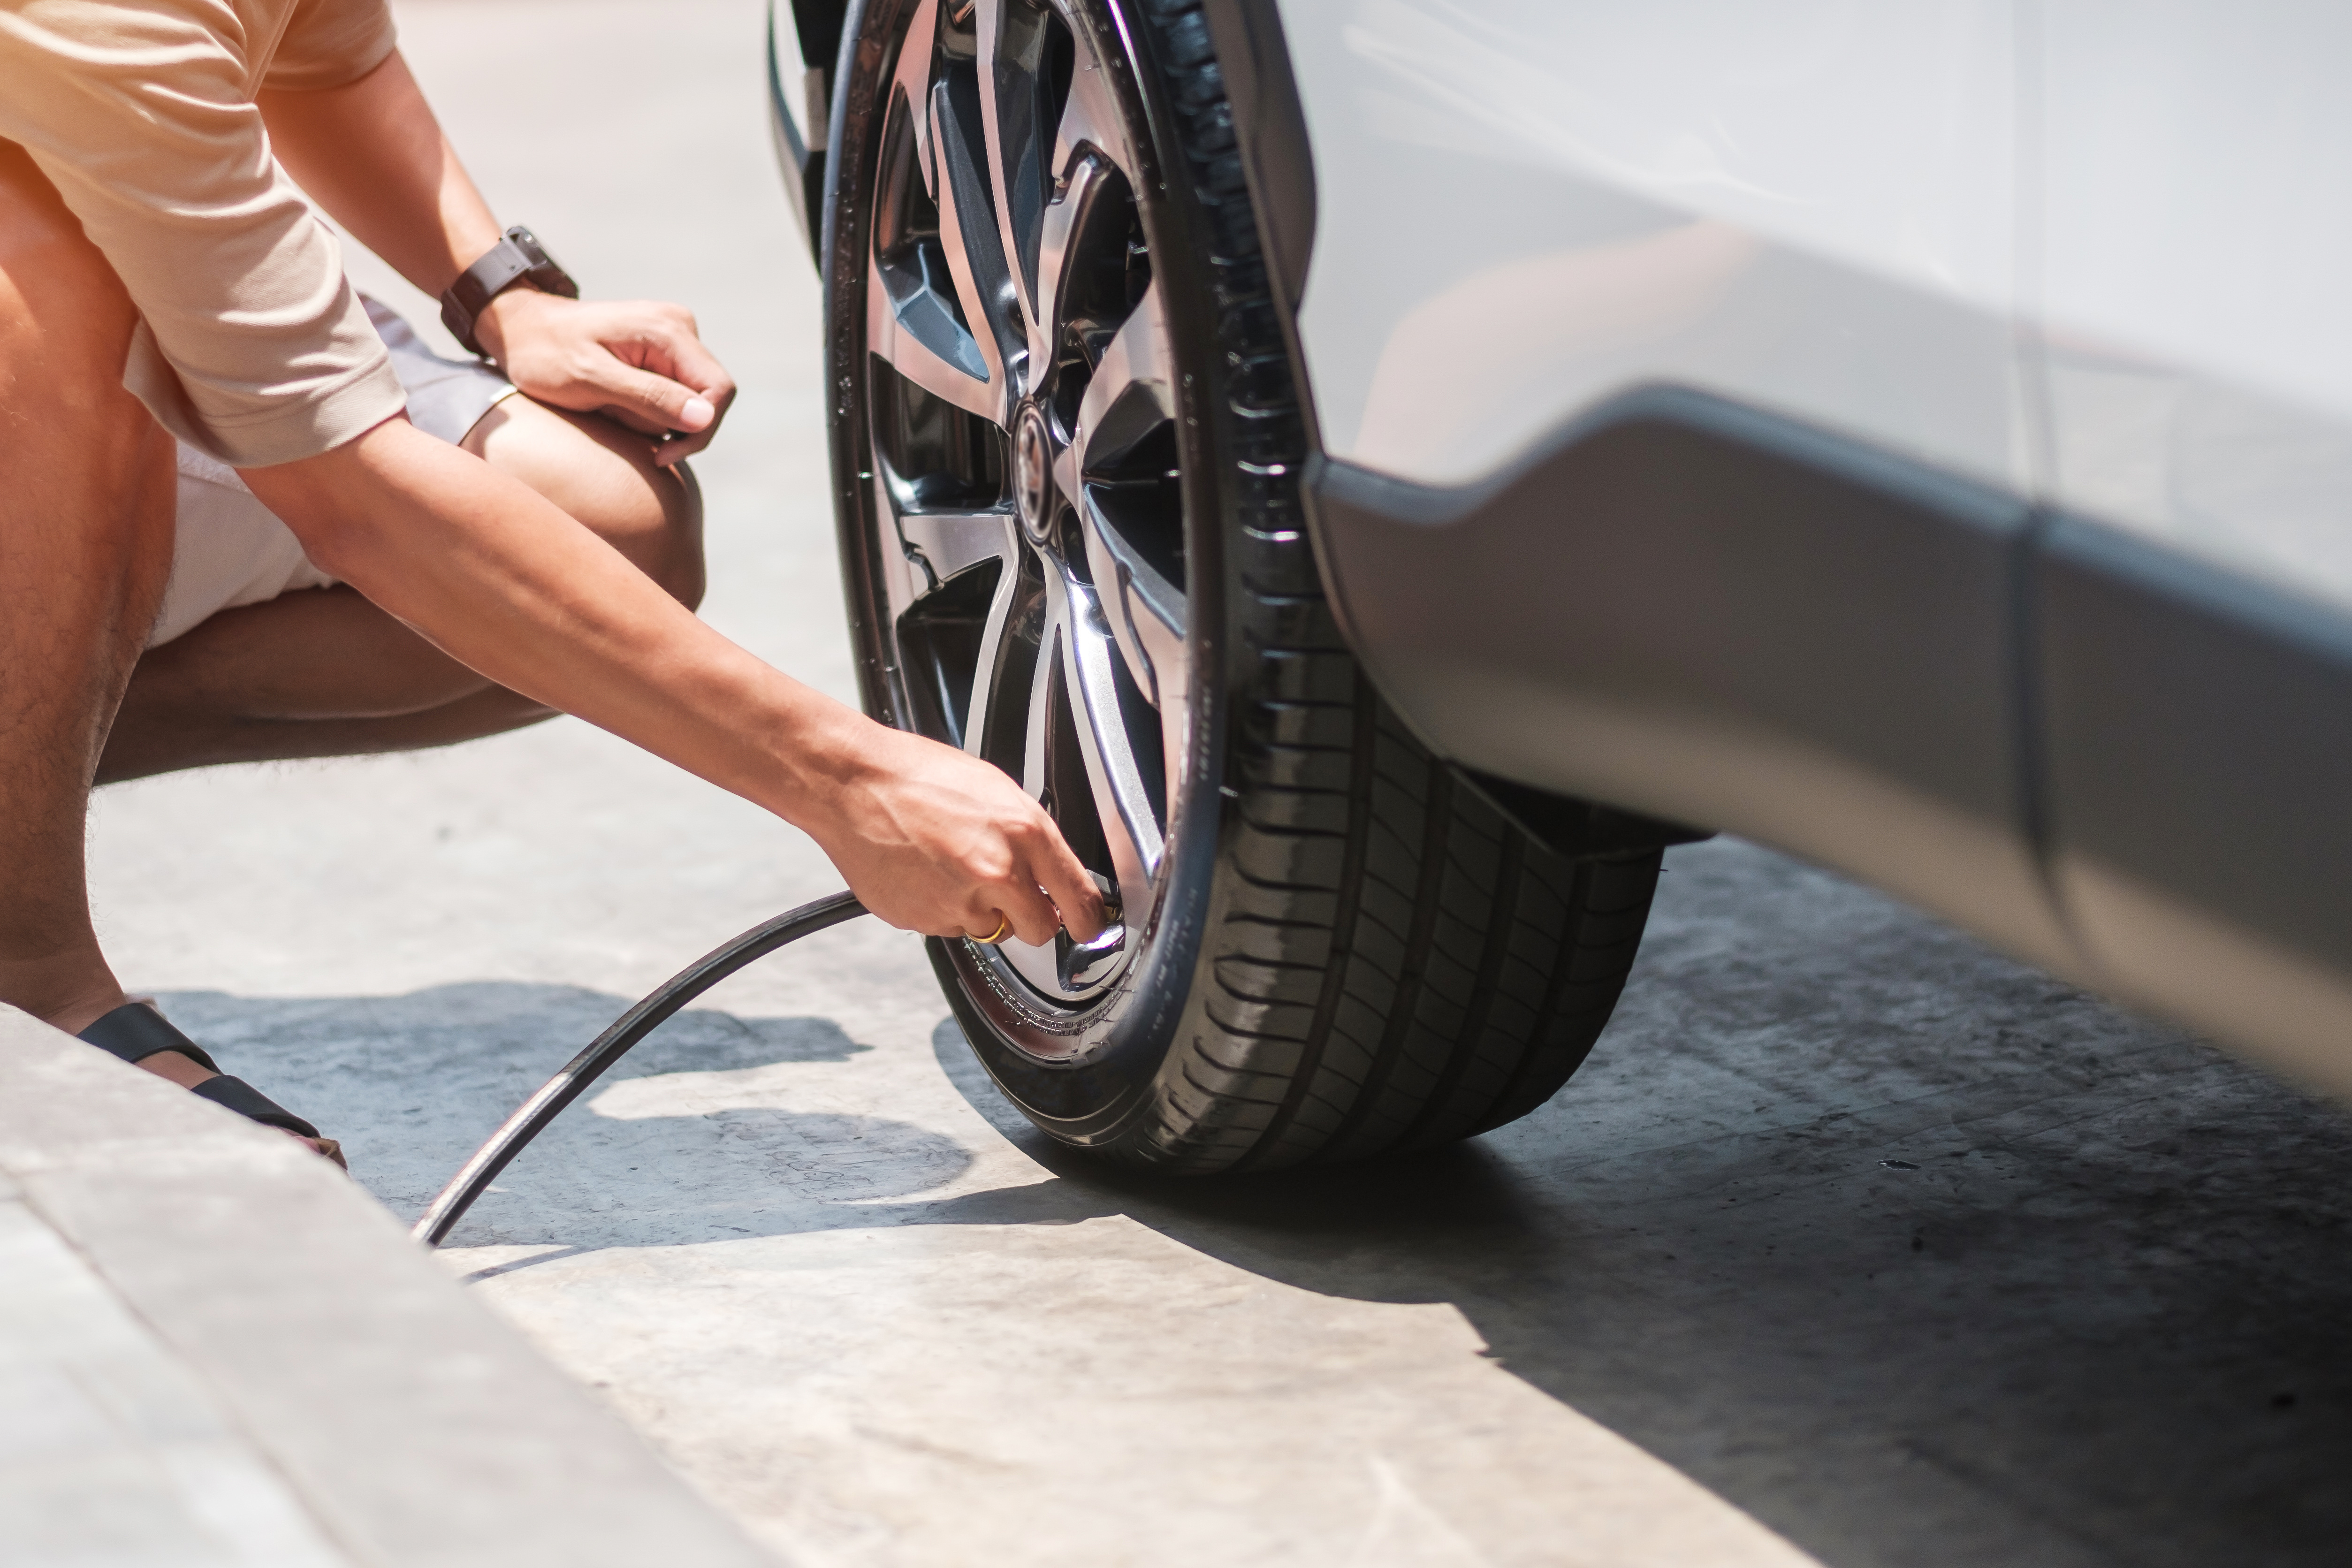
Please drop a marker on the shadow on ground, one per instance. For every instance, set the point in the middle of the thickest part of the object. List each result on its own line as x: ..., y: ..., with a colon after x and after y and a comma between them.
x: 412, y: 1085
x: 1914, y: 1254
x: 1917, y: 1256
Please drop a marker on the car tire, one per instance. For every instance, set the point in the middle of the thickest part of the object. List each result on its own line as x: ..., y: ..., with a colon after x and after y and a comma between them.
x: 1067, y: 450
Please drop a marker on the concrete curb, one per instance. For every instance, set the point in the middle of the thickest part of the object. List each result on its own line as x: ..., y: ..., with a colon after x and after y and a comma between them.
x: 214, y: 1348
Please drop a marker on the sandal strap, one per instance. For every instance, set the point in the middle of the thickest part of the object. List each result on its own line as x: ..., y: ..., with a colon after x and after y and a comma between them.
x: 135, y: 1031
x: 236, y: 1094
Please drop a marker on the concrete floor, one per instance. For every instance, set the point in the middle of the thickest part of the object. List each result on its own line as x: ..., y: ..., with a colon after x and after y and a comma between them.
x: 1852, y: 1242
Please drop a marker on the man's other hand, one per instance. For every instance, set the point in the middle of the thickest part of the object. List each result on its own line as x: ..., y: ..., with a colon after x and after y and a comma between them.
x: 636, y: 361
x: 371, y: 152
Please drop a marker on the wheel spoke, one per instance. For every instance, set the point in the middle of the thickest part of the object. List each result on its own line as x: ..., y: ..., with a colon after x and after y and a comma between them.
x: 904, y: 579
x: 1000, y: 661
x: 921, y: 341
x: 1091, y: 160
x: 1035, y: 964
x: 1132, y: 392
x: 1147, y: 614
x: 917, y: 318
x: 1077, y: 656
x: 1091, y: 119
x: 949, y: 543
x: 1122, y: 798
x: 1010, y: 37
x: 968, y: 233
x: 1038, y: 717
x: 1130, y: 397
x: 952, y: 646
x: 911, y: 83
x: 1065, y: 219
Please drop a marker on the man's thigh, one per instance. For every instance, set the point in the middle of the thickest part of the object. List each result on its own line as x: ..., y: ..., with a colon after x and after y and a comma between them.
x: 85, y: 472
x: 65, y: 320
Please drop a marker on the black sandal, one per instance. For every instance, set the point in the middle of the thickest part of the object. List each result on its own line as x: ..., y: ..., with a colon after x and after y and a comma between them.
x: 135, y: 1031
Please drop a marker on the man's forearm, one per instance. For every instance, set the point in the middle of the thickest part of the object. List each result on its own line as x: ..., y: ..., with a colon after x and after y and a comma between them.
x: 932, y: 839
x: 513, y: 587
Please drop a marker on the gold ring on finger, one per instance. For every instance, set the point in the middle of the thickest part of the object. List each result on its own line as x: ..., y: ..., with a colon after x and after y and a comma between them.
x: 1004, y: 929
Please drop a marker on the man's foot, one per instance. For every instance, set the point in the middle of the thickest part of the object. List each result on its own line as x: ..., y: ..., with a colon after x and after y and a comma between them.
x: 141, y: 1036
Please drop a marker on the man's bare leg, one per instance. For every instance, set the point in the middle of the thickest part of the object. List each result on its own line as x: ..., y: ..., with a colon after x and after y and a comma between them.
x: 321, y: 673
x: 85, y: 495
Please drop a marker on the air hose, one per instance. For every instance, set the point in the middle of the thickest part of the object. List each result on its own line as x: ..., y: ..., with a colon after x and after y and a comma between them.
x: 532, y: 1117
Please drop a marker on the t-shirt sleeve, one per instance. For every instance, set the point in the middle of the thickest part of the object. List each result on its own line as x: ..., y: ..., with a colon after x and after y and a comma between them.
x: 252, y: 346
x: 328, y: 43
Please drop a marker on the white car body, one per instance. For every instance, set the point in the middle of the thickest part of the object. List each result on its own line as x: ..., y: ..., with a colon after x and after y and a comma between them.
x: 1917, y: 435
x: 2081, y: 250
x: 2095, y: 255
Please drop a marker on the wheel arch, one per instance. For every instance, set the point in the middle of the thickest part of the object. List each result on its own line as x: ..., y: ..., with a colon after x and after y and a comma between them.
x: 1696, y: 610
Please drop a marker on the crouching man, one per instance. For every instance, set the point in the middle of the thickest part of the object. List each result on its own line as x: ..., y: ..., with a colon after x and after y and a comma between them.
x: 244, y: 514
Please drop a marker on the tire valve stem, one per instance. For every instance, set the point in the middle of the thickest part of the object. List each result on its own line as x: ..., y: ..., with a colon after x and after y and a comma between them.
x: 1076, y: 964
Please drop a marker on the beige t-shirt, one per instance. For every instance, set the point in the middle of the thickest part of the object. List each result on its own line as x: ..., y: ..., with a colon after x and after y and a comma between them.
x: 252, y: 346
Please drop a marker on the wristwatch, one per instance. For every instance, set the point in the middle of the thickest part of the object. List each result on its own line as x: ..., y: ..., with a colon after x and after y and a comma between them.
x: 518, y: 257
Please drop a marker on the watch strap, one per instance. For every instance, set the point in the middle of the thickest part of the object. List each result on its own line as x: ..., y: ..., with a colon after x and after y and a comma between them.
x: 516, y: 257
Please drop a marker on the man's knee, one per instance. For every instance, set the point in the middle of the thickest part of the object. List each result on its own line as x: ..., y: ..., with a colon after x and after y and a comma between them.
x: 605, y: 477
x: 652, y: 515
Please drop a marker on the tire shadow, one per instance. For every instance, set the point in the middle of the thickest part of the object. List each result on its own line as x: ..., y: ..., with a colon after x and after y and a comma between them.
x: 1913, y: 1253
x: 412, y: 1083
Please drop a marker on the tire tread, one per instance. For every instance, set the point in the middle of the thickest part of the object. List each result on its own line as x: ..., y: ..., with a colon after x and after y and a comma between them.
x: 1401, y: 962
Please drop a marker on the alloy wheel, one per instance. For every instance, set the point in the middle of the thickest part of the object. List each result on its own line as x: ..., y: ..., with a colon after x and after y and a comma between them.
x: 1025, y: 492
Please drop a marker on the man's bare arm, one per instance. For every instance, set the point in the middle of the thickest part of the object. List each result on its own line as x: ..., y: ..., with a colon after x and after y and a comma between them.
x: 932, y: 839
x: 371, y: 153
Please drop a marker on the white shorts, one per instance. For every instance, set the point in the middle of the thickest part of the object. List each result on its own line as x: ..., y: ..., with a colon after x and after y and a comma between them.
x: 230, y: 550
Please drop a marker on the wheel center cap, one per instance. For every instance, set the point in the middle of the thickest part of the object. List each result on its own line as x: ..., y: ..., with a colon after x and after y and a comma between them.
x: 1033, y: 473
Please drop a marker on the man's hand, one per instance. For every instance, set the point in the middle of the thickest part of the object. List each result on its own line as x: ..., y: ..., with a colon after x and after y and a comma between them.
x: 636, y: 361
x: 933, y: 840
